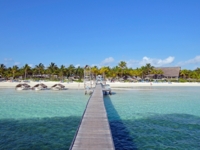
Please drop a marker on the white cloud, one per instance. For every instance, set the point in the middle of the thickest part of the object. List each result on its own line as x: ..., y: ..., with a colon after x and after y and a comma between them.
x: 156, y: 62
x: 107, y: 61
x: 153, y: 61
x: 8, y: 59
x: 17, y: 63
x: 77, y: 65
x: 31, y: 65
x: 132, y: 63
x: 195, y: 60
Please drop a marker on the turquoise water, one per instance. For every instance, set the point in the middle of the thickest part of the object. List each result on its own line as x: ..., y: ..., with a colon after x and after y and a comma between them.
x: 39, y: 120
x: 140, y: 118
x: 155, y: 118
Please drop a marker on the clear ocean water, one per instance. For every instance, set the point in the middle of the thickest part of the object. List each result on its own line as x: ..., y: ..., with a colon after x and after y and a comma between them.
x: 39, y: 120
x: 140, y: 118
x: 162, y: 118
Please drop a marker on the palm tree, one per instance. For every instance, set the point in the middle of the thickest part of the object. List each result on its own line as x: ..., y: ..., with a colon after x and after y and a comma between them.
x: 194, y: 74
x: 197, y: 70
x: 2, y: 69
x: 103, y: 71
x: 184, y: 73
x: 25, y: 69
x: 95, y: 70
x: 52, y: 69
x: 40, y: 68
x: 62, y: 71
x: 117, y: 70
x: 133, y: 72
x: 79, y: 72
x: 112, y: 73
x: 149, y: 68
x: 122, y: 65
x: 14, y: 69
x: 155, y: 71
x: 71, y: 69
x: 143, y: 71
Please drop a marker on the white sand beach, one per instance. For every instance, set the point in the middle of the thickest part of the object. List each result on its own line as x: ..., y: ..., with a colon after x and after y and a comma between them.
x: 75, y: 85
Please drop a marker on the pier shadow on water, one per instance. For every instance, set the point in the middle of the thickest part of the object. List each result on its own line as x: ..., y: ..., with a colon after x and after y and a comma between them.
x: 121, y: 135
x: 54, y: 133
x: 154, y: 131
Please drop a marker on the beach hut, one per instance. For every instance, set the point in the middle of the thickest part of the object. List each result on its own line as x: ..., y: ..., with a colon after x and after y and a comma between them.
x: 22, y: 87
x: 130, y: 79
x: 170, y: 72
x: 58, y: 87
x: 40, y: 86
x: 138, y: 78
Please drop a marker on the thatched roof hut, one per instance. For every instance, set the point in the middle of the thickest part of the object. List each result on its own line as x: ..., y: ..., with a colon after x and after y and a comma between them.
x: 20, y: 85
x: 60, y: 85
x: 43, y: 85
x: 170, y: 72
x: 26, y: 85
x: 36, y: 85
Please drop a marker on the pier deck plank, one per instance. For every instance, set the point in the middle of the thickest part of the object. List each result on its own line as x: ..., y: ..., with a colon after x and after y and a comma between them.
x: 94, y: 131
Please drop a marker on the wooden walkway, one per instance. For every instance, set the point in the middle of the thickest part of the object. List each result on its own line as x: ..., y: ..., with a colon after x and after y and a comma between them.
x: 94, y: 131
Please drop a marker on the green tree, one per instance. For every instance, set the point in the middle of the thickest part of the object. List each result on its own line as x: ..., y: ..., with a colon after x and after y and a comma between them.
x: 14, y: 70
x: 197, y: 71
x: 156, y: 71
x: 40, y: 68
x: 79, y: 72
x: 62, y: 71
x: 122, y: 65
x: 143, y: 71
x: 95, y: 71
x: 52, y: 69
x: 71, y: 69
x: 103, y: 71
x: 2, y: 69
x: 184, y: 73
x: 148, y: 68
x: 26, y: 68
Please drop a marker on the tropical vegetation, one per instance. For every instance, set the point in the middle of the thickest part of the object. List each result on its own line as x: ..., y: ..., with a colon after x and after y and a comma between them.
x: 54, y: 72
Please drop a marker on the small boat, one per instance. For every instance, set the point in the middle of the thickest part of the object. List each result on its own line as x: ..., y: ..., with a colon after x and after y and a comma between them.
x: 40, y: 86
x: 106, y: 88
x: 24, y: 86
x: 58, y: 87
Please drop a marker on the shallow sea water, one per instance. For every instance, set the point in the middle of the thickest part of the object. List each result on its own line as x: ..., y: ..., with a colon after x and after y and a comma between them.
x: 155, y: 118
x: 39, y: 119
x: 140, y: 118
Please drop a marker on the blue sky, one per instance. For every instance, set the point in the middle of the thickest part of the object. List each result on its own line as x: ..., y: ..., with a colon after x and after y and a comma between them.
x: 100, y: 32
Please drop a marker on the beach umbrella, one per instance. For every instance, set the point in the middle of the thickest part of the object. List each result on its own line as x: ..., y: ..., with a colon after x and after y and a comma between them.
x: 121, y: 79
x: 138, y: 78
x: 130, y: 79
x: 18, y: 85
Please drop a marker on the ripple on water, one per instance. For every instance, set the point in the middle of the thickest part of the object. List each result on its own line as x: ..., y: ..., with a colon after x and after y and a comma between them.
x: 42, y: 120
x: 164, y: 118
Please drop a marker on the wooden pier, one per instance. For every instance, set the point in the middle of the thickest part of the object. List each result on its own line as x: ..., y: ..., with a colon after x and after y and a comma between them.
x: 94, y: 131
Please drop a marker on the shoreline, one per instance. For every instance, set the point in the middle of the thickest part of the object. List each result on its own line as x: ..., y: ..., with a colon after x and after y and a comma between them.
x: 75, y: 85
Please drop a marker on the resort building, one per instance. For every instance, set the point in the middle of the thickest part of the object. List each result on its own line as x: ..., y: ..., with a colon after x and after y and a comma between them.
x: 168, y: 73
